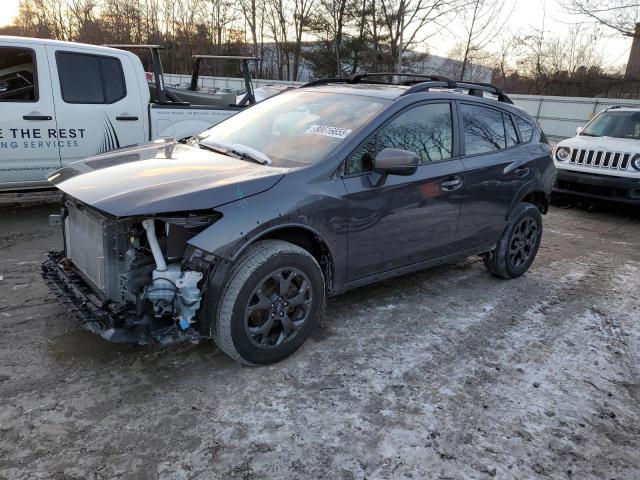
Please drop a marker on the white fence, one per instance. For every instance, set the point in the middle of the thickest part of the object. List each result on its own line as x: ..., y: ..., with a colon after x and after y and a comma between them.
x: 558, y: 116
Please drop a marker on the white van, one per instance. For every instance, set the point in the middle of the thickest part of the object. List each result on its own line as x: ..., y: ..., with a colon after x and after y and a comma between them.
x: 61, y: 102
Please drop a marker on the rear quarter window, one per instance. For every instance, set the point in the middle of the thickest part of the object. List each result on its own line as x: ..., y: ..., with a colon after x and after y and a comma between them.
x: 526, y: 129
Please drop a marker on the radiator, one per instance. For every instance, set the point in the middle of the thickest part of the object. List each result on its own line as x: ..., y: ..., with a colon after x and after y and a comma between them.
x: 85, y: 245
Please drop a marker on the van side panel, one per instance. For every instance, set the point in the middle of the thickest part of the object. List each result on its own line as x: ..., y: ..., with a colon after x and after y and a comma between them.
x: 182, y: 122
x: 98, y: 103
x: 29, y: 147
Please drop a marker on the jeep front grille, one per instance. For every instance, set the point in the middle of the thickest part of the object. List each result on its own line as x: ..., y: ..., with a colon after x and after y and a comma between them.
x: 84, y: 237
x: 599, y: 159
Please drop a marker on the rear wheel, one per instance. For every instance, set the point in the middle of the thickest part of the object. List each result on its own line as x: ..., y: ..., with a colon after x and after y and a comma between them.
x: 274, y: 296
x: 519, y: 243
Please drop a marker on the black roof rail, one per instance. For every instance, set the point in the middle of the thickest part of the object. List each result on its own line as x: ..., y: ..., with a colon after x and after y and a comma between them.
x: 420, y: 78
x: 367, y: 78
x: 475, y: 89
x: 485, y: 87
x: 423, y: 83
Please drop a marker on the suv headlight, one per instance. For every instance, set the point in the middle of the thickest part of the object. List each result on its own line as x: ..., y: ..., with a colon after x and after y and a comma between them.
x: 562, y: 154
x: 635, y: 162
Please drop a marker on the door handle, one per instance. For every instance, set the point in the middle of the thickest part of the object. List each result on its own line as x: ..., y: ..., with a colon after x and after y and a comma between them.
x: 521, y: 171
x: 451, y: 184
x: 127, y: 119
x: 36, y: 117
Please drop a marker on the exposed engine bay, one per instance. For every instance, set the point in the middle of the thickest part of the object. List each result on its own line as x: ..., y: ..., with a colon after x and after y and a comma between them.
x: 144, y: 281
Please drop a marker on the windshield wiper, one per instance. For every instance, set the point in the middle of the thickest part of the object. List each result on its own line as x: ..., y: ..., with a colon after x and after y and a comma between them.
x: 237, y: 150
x: 588, y: 134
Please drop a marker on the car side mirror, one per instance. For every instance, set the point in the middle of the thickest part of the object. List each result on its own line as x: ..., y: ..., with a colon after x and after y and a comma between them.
x: 394, y: 161
x: 579, y: 130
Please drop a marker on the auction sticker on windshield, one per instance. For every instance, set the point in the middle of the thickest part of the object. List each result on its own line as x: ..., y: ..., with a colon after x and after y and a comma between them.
x: 335, y: 132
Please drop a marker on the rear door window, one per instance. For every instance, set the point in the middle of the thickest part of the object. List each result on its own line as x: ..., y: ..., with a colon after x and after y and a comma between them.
x: 484, y: 130
x: 90, y: 79
x: 18, y: 75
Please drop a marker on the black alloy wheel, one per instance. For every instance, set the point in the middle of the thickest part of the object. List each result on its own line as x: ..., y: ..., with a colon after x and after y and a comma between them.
x: 519, y: 243
x: 273, y: 297
x: 278, y: 307
x: 523, y: 242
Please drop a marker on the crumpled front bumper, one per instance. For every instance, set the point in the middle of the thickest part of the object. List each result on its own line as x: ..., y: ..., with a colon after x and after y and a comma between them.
x: 112, y: 322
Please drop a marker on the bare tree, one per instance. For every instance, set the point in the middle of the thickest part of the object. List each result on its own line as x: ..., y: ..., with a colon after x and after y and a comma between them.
x: 251, y: 12
x: 482, y: 21
x: 278, y: 27
x: 502, y: 58
x: 405, y: 20
x: 473, y: 69
x: 221, y: 15
x: 619, y: 15
x: 301, y: 16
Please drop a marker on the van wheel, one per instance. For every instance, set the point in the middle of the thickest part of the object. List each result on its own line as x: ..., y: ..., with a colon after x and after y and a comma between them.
x: 273, y: 298
x: 518, y: 245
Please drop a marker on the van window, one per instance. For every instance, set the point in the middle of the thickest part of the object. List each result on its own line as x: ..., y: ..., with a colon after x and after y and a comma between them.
x: 17, y: 75
x: 90, y: 79
x: 484, y: 130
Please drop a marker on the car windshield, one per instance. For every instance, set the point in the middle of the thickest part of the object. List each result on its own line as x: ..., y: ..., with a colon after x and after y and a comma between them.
x: 298, y: 127
x: 618, y: 124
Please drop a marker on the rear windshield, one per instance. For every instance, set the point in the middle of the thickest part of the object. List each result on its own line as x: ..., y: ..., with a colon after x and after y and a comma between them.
x: 298, y: 127
x: 614, y: 124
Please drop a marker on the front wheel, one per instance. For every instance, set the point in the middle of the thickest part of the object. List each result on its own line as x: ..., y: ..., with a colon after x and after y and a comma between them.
x: 274, y: 296
x: 518, y: 245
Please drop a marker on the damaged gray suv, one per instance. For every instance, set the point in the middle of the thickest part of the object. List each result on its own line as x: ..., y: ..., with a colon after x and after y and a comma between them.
x: 240, y: 234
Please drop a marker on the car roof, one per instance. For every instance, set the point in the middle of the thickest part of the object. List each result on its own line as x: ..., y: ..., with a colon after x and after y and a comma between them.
x: 624, y: 108
x: 394, y: 92
x: 390, y: 92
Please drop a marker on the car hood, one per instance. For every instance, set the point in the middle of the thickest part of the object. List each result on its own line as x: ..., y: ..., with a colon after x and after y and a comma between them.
x: 584, y: 142
x: 162, y: 178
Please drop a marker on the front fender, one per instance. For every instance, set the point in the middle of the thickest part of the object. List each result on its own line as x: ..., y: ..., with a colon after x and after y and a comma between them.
x: 317, y: 209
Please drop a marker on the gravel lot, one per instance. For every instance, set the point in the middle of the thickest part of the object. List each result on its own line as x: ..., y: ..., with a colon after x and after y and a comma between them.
x: 446, y: 374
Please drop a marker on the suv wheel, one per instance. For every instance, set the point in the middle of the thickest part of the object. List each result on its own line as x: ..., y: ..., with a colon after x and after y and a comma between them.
x: 518, y: 245
x: 274, y: 296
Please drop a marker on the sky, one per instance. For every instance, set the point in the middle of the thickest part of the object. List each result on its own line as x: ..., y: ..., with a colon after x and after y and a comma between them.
x: 527, y: 14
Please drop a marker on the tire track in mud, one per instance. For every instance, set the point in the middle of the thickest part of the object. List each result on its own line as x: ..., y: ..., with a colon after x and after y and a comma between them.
x: 482, y: 339
x: 544, y: 335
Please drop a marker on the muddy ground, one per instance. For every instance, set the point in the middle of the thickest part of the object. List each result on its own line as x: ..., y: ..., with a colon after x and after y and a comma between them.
x: 444, y: 374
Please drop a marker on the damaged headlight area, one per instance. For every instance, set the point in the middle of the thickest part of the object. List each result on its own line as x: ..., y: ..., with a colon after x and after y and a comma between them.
x: 132, y: 280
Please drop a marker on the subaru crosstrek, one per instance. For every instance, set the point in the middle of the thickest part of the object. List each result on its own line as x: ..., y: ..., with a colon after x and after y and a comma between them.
x: 241, y: 234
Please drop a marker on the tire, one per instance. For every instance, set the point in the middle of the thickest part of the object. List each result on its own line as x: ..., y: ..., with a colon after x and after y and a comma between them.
x: 518, y: 246
x: 273, y: 298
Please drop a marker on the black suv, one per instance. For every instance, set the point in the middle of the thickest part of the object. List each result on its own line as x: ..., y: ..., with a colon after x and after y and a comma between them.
x: 242, y: 233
